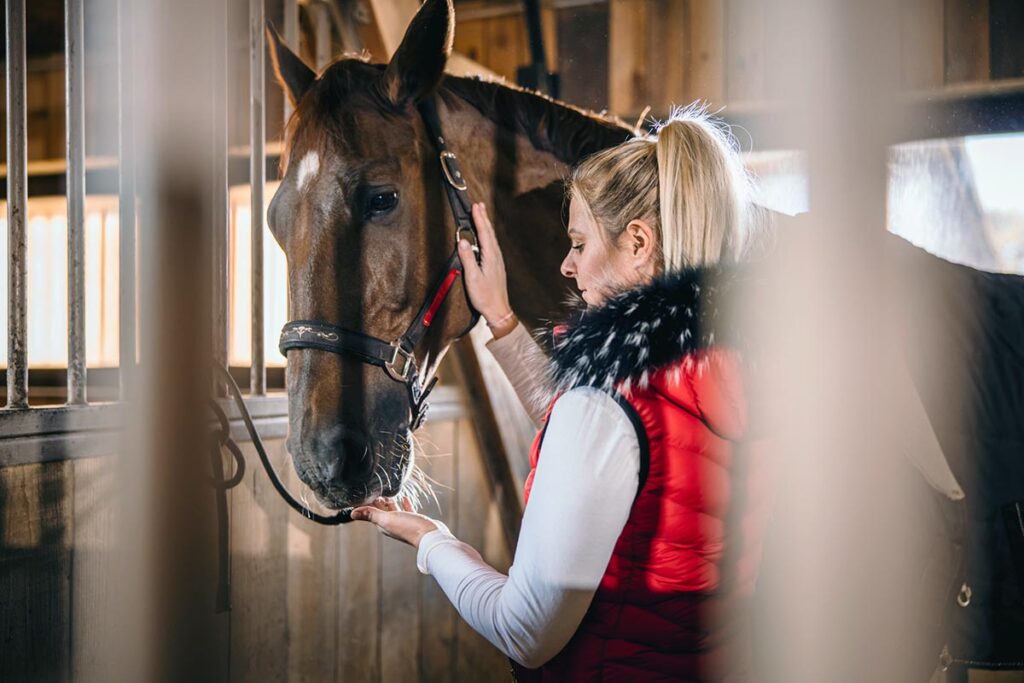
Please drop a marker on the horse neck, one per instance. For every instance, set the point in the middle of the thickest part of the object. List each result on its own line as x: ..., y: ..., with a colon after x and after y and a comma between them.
x: 519, y: 171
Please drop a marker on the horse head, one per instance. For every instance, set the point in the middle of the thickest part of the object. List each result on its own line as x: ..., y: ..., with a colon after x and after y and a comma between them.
x: 356, y: 215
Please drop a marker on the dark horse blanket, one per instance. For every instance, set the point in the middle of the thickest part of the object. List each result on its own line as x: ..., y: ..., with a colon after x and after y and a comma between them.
x: 975, y: 340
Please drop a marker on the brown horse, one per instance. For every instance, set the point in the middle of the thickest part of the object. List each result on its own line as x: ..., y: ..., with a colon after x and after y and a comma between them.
x: 363, y: 220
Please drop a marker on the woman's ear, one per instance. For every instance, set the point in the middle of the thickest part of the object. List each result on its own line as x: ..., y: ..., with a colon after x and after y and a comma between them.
x: 641, y: 242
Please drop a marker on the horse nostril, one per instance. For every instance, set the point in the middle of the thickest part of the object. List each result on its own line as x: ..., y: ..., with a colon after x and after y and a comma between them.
x: 357, y: 463
x: 342, y: 457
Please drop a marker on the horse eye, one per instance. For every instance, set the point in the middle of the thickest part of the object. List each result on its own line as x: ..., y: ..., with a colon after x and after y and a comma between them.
x: 381, y: 203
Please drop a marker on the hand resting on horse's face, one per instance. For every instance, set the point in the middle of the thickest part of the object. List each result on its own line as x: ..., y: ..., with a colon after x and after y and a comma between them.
x: 486, y: 282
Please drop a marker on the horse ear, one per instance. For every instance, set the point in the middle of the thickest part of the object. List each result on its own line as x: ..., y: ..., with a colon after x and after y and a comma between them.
x: 292, y: 73
x: 418, y: 64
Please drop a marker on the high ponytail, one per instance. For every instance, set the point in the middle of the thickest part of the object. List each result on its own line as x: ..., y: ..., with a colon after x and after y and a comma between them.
x: 701, y: 189
x: 687, y: 181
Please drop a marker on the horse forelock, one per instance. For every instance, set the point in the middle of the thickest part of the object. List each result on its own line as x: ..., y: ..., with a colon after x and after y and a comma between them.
x: 324, y: 116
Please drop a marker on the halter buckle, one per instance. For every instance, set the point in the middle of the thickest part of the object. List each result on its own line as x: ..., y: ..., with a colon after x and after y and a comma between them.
x: 449, y: 164
x: 393, y: 371
x: 470, y: 235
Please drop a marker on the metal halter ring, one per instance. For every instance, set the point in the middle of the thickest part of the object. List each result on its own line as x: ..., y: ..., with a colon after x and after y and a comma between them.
x: 964, y: 597
x: 470, y: 236
x: 403, y: 374
x: 453, y: 175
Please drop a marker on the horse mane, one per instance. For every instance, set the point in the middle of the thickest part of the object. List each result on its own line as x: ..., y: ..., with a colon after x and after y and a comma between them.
x: 568, y: 132
x: 565, y: 131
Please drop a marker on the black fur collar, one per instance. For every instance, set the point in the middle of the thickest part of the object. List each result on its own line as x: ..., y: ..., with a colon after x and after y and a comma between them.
x: 642, y: 329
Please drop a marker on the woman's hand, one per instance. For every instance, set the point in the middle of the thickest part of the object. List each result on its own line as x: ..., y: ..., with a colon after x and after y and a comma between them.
x: 403, y: 524
x: 486, y: 283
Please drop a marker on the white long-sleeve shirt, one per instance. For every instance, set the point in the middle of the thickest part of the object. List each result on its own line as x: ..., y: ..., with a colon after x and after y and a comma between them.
x: 583, y: 490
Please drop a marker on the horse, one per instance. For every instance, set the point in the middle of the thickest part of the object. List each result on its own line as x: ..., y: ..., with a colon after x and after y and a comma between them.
x: 361, y: 216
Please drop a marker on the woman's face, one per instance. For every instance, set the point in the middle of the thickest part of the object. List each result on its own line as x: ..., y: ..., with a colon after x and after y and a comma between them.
x: 599, y: 267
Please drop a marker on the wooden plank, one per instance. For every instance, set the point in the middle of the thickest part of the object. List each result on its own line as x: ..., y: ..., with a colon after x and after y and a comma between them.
x: 95, y: 645
x: 36, y: 503
x: 921, y: 43
x: 56, y: 115
x: 745, y: 50
x: 312, y: 594
x: 705, y: 54
x: 476, y: 659
x: 400, y: 612
x: 259, y: 571
x: 469, y: 40
x: 967, y: 40
x: 583, y: 63
x: 359, y: 604
x: 438, y: 617
x: 627, y: 56
x: 507, y: 48
x: 549, y: 30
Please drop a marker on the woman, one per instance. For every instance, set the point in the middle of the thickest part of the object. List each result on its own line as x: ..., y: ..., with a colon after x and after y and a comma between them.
x: 642, y: 530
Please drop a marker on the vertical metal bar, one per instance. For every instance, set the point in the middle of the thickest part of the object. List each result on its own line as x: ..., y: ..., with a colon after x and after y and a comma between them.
x: 221, y: 205
x: 126, y: 195
x: 257, y: 171
x: 17, y: 204
x: 291, y: 39
x: 74, y: 83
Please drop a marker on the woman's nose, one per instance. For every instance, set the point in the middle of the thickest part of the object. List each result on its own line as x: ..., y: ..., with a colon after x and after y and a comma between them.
x: 568, y: 267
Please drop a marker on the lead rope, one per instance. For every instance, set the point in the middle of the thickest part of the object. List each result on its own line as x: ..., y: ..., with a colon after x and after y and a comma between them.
x: 222, y: 439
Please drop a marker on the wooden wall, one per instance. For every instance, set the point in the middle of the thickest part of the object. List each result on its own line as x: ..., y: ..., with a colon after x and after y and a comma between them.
x: 665, y: 52
x: 310, y: 603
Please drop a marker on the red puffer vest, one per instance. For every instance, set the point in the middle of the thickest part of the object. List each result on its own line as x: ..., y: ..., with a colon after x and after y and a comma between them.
x: 673, y: 602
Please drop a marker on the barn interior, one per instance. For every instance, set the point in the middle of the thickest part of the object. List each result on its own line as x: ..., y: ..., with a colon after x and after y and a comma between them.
x: 118, y: 561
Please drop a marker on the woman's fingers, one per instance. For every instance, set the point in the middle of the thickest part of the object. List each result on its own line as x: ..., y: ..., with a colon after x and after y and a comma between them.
x: 470, y: 267
x: 404, y: 525
x: 485, y: 229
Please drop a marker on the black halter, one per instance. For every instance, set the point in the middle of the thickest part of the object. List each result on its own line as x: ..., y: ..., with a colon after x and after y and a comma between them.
x: 397, y: 357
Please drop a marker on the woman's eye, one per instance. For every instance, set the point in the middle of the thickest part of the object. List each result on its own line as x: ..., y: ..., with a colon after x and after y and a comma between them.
x: 578, y: 247
x: 381, y: 203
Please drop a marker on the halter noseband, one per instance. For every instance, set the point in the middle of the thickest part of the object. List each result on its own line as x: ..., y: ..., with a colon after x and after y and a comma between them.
x: 397, y: 357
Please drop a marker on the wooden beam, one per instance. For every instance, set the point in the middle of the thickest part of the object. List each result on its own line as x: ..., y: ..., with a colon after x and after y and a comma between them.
x: 627, y: 57
x: 495, y: 453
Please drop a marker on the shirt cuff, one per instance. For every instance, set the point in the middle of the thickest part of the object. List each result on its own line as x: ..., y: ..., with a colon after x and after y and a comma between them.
x: 507, y: 344
x: 431, y: 540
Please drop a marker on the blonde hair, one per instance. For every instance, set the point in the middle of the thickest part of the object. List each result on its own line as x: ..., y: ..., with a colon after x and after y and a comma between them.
x: 686, y: 181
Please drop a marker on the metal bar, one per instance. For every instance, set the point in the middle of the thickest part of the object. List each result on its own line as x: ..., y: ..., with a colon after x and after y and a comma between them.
x: 291, y: 39
x: 126, y: 197
x: 72, y: 432
x: 257, y: 174
x: 74, y: 83
x: 221, y: 204
x: 17, y: 204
